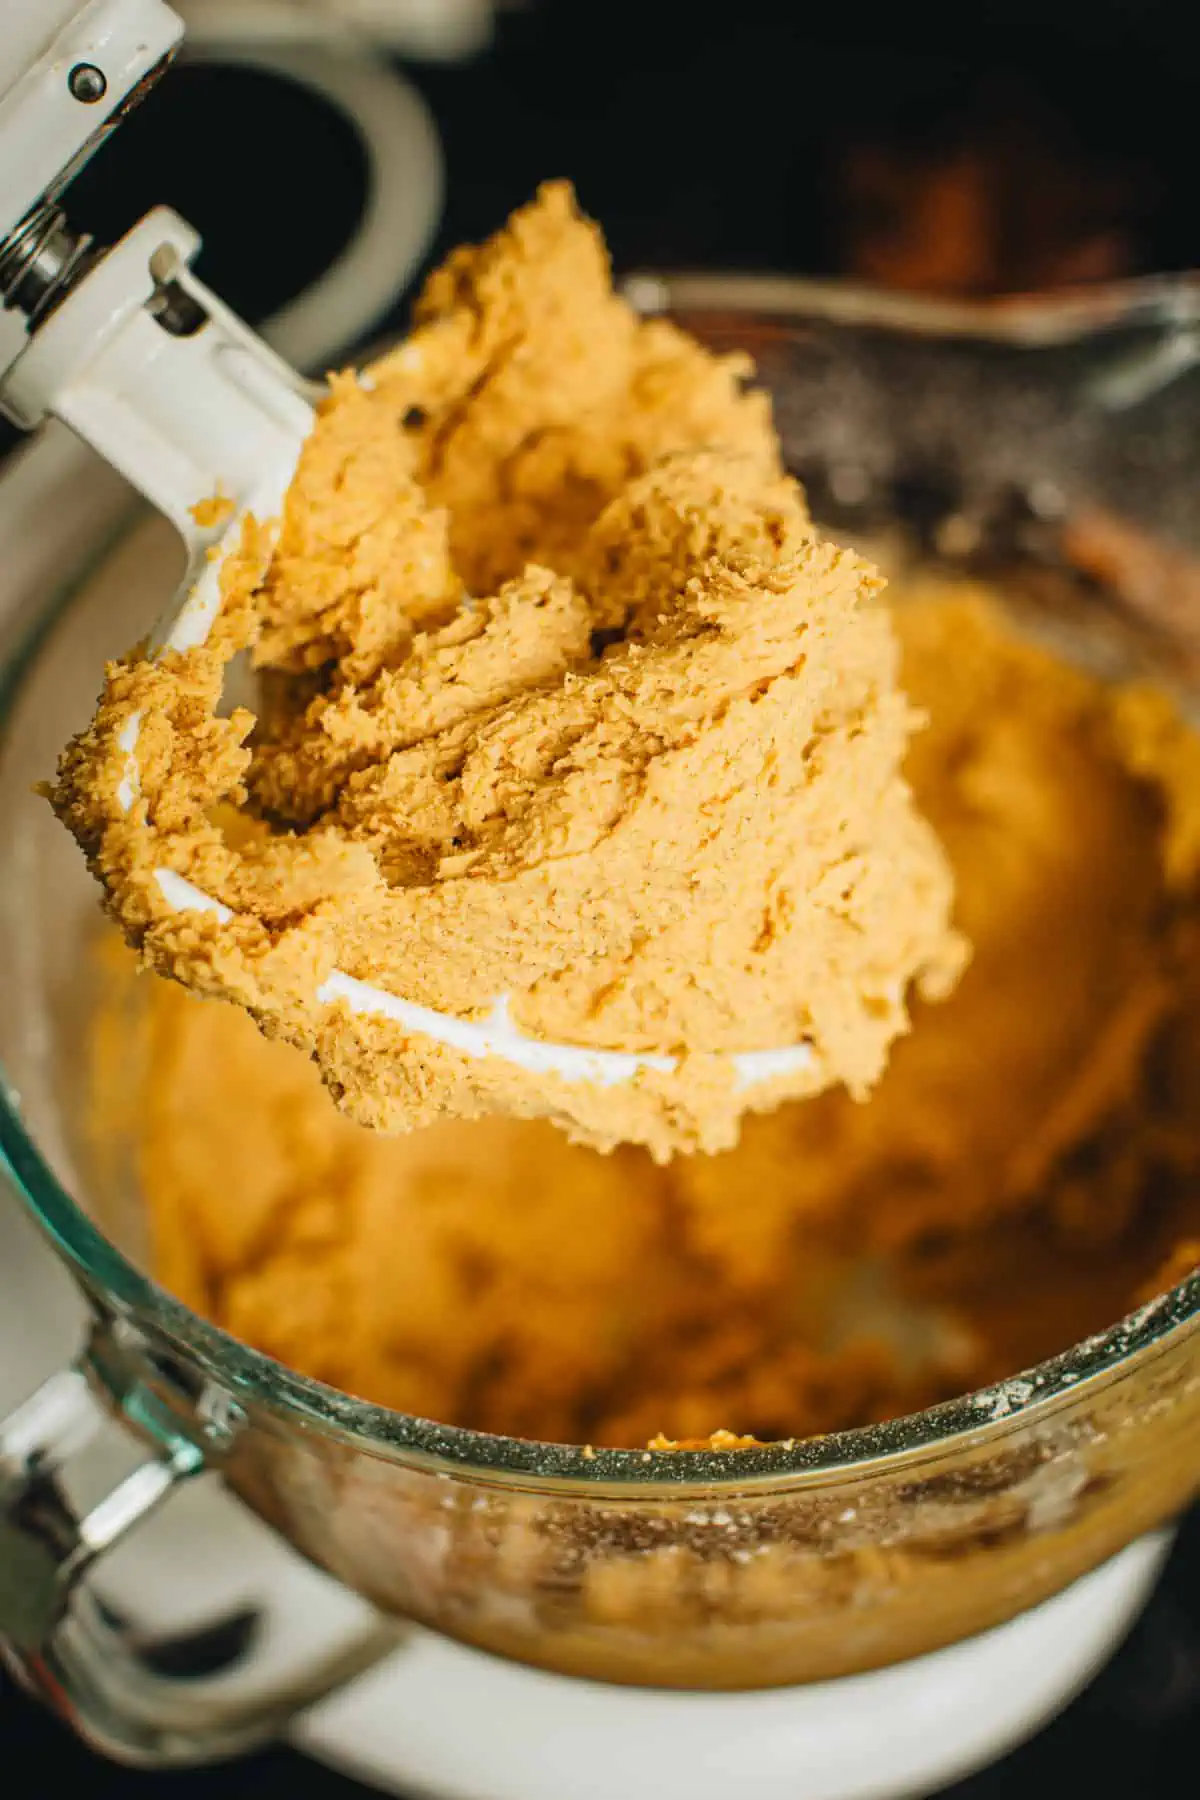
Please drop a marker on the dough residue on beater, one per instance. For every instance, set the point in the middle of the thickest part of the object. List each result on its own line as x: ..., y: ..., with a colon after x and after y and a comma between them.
x: 571, y: 724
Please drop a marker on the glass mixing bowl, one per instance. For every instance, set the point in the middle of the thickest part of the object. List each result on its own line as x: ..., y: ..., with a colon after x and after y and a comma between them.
x: 977, y: 437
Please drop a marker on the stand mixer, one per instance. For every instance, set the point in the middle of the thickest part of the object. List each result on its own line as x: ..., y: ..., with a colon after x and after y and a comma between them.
x: 143, y: 362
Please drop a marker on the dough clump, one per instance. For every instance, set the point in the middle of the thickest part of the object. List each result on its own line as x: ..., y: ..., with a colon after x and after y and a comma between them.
x: 572, y: 728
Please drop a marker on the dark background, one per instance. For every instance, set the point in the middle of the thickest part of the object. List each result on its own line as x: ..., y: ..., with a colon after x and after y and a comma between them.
x: 997, y: 148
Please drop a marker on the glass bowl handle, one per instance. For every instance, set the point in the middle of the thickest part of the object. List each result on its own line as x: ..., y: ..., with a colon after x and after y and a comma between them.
x: 63, y: 1644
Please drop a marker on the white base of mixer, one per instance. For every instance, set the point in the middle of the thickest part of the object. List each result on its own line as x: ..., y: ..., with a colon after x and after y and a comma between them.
x: 446, y: 1723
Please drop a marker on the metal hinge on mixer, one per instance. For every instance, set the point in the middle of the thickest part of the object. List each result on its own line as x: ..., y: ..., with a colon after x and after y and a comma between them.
x: 126, y: 347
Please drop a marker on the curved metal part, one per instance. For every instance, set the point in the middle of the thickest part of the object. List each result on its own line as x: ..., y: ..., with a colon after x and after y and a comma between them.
x: 405, y: 188
x: 446, y: 31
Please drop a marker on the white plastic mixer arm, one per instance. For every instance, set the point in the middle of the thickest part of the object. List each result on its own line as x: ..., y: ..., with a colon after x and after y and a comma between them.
x: 136, y: 355
x: 185, y: 415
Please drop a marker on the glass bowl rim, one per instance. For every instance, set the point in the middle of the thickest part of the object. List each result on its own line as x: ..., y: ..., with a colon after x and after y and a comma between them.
x: 378, y: 1431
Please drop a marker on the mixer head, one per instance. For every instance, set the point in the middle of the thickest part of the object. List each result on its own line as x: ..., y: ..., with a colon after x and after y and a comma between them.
x: 68, y: 75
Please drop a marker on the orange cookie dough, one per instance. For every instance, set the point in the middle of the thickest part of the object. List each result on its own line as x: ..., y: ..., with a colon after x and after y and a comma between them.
x: 577, y: 780
x: 1026, y: 1169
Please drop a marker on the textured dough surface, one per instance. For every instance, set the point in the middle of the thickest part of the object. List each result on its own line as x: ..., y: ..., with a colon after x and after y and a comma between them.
x: 570, y: 718
x: 1027, y: 1167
